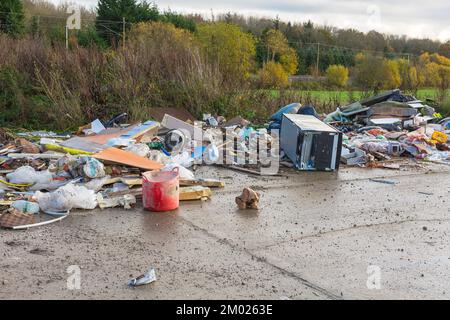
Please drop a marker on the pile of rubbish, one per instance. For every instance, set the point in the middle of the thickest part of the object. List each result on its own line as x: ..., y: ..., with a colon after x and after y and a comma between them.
x: 45, y: 175
x: 379, y: 131
x: 389, y: 127
x: 106, y: 164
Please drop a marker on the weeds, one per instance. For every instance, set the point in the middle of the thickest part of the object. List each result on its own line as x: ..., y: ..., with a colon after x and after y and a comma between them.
x: 47, y: 87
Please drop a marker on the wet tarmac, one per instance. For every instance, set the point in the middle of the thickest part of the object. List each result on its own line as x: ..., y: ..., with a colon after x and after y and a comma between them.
x: 356, y: 234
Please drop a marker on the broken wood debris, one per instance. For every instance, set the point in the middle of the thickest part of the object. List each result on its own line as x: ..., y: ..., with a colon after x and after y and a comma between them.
x: 195, y: 193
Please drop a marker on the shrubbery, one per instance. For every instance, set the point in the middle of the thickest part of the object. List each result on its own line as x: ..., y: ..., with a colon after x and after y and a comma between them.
x: 337, y: 75
x: 273, y: 75
x: 43, y: 86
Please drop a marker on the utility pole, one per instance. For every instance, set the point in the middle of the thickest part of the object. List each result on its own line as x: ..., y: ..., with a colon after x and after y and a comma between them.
x: 318, y: 58
x: 123, y: 30
x: 67, y: 38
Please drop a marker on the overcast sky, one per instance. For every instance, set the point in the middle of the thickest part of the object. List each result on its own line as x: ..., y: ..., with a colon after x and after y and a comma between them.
x: 415, y: 18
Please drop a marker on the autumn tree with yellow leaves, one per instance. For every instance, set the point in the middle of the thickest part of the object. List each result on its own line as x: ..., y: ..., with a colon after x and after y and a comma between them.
x: 280, y: 60
x: 273, y: 75
x: 230, y: 48
x: 435, y: 70
x: 337, y: 75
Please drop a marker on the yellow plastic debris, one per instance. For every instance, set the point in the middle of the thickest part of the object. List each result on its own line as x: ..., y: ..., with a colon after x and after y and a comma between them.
x: 439, y: 137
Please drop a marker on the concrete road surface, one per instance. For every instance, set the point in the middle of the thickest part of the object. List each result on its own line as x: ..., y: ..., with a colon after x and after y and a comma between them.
x: 358, y: 234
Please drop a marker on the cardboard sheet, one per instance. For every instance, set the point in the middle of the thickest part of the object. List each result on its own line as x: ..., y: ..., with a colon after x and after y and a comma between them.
x: 170, y: 122
x: 127, y: 158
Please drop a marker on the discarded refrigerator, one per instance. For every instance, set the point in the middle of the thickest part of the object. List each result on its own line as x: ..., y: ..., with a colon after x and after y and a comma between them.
x: 311, y: 144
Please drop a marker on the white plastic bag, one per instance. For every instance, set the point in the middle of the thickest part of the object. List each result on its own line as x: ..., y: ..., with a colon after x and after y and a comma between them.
x: 93, y: 168
x: 158, y: 156
x: 48, y: 185
x: 139, y: 149
x: 67, y: 198
x: 185, y: 174
x: 97, y: 184
x: 27, y: 175
x: 183, y: 159
x: 212, y: 154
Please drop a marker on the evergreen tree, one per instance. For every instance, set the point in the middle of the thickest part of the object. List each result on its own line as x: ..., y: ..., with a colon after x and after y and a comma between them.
x: 12, y: 17
x: 179, y: 21
x: 110, y: 15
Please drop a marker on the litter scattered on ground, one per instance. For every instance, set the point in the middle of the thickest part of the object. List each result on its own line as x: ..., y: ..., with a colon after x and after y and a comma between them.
x: 383, y: 181
x: 26, y: 206
x: 44, y: 176
x: 39, y: 224
x: 13, y: 218
x: 125, y: 201
x: 146, y: 278
x: 388, y: 127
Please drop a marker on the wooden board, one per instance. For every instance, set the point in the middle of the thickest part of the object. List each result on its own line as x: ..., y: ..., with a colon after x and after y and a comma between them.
x: 127, y: 158
x: 186, y: 193
x: 137, y: 181
x: 203, y: 182
x: 194, y: 193
x: 129, y: 181
x: 179, y: 113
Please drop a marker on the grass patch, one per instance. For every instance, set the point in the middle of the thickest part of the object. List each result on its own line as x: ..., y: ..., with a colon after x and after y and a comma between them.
x: 325, y: 96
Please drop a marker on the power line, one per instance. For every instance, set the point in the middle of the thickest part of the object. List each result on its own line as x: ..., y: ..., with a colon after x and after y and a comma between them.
x: 353, y: 49
x: 65, y: 18
x: 298, y: 44
x: 110, y: 30
x: 109, y: 23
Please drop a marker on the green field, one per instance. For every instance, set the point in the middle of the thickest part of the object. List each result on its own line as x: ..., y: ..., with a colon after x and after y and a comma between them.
x: 342, y: 96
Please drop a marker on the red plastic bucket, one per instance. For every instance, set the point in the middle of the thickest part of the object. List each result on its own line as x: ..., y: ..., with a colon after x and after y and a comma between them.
x: 161, y: 190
